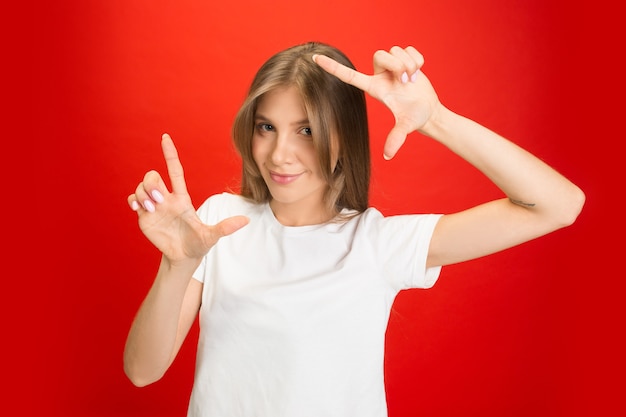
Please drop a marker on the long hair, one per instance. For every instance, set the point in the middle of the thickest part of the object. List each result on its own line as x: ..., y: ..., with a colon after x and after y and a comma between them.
x: 337, y: 113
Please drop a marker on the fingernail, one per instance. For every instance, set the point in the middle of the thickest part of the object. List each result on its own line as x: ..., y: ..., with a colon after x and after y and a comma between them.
x: 414, y: 77
x: 405, y: 78
x: 387, y: 157
x: 134, y: 206
x: 149, y: 206
x: 314, y: 57
x: 158, y: 197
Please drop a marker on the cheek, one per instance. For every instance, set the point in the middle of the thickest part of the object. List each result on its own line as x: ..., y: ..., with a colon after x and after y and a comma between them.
x: 258, y: 151
x: 310, y: 158
x: 306, y: 151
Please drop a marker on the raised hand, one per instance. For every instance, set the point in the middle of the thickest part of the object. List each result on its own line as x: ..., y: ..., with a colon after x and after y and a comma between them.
x: 399, y: 84
x: 169, y: 219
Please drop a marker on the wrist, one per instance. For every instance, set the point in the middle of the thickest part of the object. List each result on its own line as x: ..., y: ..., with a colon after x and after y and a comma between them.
x: 185, y: 266
x: 436, y: 126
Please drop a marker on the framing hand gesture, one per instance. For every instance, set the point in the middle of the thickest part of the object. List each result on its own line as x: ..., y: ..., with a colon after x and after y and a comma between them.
x: 169, y: 219
x: 399, y: 84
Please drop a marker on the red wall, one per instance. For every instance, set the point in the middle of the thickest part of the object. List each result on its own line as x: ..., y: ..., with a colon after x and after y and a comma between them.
x: 91, y: 85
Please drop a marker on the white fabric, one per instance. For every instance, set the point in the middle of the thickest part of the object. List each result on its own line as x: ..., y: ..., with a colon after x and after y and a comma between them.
x: 293, y: 319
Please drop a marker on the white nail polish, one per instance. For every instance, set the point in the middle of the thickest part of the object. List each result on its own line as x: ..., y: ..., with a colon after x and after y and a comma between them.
x: 134, y: 206
x: 405, y: 78
x: 149, y: 206
x: 158, y: 197
x: 414, y: 77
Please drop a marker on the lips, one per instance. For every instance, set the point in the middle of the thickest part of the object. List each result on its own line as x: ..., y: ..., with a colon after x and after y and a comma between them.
x: 283, y: 179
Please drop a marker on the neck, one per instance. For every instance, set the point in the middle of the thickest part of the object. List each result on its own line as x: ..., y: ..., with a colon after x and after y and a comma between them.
x: 300, y: 214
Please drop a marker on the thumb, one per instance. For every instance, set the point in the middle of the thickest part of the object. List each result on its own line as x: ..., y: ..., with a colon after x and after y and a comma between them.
x: 230, y: 225
x: 395, y: 139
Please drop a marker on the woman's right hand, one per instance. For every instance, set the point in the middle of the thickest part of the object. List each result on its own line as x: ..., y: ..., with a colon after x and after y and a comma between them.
x: 169, y: 219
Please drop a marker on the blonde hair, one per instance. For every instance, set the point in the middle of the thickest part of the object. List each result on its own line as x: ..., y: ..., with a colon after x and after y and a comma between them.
x: 338, y: 116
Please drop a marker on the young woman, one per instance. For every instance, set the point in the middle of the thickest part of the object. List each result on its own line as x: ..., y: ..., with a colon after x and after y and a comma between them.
x: 293, y: 280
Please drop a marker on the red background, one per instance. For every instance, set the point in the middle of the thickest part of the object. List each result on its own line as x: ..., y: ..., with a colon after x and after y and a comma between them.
x: 91, y: 85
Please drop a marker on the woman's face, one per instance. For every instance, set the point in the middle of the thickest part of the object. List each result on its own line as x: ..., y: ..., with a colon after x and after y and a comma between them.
x: 283, y: 149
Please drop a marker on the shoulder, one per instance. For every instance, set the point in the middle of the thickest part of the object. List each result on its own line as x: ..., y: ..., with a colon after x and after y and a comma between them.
x: 219, y: 206
x: 230, y: 199
x: 374, y: 223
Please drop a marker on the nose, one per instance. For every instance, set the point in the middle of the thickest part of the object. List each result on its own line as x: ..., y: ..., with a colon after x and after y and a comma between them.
x: 282, y: 151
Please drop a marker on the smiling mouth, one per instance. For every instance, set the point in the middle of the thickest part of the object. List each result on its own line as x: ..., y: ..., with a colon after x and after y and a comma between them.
x: 283, y: 179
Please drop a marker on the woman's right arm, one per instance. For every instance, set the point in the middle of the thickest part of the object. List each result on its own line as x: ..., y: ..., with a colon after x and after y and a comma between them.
x: 161, y: 324
x: 169, y: 221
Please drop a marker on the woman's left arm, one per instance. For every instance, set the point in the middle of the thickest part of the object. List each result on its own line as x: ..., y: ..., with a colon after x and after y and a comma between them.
x: 538, y: 199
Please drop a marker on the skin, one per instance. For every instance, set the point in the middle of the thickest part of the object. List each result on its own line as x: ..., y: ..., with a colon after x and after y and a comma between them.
x: 282, y: 148
x: 539, y: 200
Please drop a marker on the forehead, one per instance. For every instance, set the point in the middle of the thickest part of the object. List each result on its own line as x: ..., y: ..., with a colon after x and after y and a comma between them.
x: 283, y: 102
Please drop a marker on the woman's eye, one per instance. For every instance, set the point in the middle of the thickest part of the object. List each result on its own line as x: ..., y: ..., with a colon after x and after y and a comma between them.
x: 307, y: 131
x: 265, y: 127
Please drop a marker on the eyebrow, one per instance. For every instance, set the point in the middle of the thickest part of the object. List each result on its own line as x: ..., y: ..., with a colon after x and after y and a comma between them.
x: 299, y: 122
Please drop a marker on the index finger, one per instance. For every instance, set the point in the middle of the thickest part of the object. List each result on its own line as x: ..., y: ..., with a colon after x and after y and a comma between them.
x: 345, y: 74
x: 174, y: 167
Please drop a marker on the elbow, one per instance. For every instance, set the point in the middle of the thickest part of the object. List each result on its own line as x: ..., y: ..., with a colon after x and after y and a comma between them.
x: 574, y: 206
x: 578, y: 202
x: 138, y: 382
x: 138, y: 378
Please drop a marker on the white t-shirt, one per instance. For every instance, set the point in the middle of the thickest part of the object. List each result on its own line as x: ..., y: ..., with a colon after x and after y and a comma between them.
x: 293, y: 319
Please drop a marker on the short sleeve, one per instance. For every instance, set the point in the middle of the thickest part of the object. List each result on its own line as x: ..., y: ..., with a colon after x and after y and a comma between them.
x: 401, y: 244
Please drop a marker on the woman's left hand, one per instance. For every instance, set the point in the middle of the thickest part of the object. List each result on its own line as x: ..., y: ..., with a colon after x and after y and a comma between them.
x: 399, y: 84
